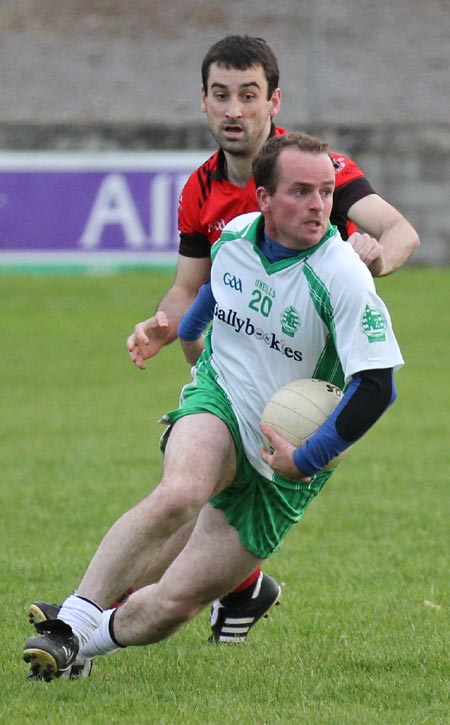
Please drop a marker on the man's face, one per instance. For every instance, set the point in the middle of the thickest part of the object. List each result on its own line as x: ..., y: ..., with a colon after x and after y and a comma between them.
x: 298, y: 213
x: 239, y: 112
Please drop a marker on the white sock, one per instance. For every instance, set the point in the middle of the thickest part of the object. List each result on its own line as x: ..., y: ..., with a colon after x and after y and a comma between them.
x: 82, y: 615
x: 101, y: 642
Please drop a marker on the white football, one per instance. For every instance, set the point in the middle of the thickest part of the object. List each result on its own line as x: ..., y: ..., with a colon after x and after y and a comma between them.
x: 297, y: 409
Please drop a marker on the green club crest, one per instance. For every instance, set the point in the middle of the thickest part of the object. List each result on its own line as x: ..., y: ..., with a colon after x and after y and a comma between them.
x: 373, y: 324
x: 290, y: 321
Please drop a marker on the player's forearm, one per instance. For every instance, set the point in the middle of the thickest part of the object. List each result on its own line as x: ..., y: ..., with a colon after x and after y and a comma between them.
x: 174, y: 304
x: 399, y: 242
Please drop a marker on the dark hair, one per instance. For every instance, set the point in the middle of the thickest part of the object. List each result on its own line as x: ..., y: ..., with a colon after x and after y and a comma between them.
x: 242, y: 52
x: 265, y: 167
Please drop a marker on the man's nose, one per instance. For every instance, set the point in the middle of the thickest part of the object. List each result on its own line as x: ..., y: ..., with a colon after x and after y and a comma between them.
x: 234, y: 108
x: 316, y: 200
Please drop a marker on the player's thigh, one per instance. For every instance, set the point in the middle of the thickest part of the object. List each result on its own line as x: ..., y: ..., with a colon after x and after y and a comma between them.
x: 200, y: 458
x: 213, y: 562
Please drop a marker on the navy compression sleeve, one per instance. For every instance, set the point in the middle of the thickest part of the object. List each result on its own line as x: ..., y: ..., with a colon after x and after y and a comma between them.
x: 199, y: 314
x: 367, y: 397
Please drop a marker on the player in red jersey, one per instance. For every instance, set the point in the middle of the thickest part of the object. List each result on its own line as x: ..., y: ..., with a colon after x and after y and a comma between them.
x: 209, y: 200
x: 241, y: 97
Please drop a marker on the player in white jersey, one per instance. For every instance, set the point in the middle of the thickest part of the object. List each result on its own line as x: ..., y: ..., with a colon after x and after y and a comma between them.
x: 304, y: 313
x: 289, y: 299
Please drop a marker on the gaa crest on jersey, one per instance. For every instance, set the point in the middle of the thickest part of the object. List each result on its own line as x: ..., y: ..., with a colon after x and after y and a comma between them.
x: 373, y: 324
x: 231, y: 280
x: 290, y: 321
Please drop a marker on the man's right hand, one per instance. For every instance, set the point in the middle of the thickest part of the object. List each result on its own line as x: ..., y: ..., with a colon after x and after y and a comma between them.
x: 148, y: 338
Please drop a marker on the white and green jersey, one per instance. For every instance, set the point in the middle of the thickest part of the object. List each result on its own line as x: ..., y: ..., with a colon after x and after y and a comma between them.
x: 313, y: 315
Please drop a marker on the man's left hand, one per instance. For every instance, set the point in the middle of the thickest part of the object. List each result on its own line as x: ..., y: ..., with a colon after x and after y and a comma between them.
x: 281, y: 459
x: 369, y: 251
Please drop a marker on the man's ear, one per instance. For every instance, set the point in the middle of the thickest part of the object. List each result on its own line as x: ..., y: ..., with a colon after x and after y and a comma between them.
x: 203, y: 99
x: 263, y: 198
x: 275, y: 103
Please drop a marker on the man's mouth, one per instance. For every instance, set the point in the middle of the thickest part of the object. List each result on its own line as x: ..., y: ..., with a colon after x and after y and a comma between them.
x: 232, y: 129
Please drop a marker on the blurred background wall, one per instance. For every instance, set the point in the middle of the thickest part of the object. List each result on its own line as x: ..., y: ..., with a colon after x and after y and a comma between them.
x: 372, y: 77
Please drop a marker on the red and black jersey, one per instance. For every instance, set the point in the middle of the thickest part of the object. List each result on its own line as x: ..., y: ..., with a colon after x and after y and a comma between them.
x: 209, y: 201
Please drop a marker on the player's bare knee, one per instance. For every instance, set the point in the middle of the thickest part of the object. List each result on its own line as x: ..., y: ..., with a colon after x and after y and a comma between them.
x: 176, y: 503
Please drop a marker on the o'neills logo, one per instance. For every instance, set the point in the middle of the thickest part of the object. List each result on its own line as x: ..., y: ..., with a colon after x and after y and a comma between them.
x: 246, y: 326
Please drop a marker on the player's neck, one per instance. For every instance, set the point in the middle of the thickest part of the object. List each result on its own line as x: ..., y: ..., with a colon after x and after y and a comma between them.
x: 238, y: 169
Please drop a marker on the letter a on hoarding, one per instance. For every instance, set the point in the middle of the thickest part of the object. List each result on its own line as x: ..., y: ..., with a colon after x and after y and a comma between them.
x: 114, y: 205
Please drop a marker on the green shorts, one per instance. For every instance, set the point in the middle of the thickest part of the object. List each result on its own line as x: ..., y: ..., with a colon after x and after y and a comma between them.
x: 262, y: 511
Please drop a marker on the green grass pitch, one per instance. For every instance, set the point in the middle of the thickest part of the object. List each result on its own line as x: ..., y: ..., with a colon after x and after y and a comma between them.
x: 362, y: 633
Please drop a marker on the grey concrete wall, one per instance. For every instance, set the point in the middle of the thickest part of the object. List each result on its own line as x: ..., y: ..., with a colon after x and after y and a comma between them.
x: 371, y: 76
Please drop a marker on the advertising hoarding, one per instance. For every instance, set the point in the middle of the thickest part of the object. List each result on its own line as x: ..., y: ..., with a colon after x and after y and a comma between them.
x: 94, y: 210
